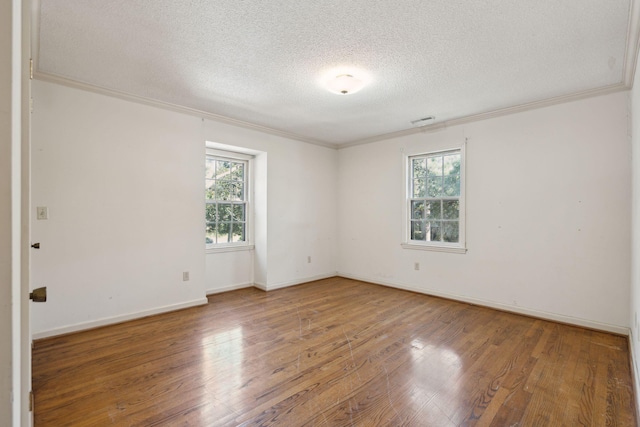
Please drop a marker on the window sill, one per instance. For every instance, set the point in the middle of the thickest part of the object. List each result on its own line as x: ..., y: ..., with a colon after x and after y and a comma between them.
x: 449, y: 249
x: 236, y: 248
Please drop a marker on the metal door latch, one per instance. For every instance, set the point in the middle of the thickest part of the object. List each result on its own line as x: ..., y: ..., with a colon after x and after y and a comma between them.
x: 39, y: 295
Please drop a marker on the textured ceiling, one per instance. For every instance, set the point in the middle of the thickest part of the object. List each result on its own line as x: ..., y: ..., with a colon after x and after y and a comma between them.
x: 262, y: 62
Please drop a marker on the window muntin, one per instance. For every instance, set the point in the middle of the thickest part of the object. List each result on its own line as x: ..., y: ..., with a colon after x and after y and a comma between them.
x: 434, y: 202
x: 226, y: 200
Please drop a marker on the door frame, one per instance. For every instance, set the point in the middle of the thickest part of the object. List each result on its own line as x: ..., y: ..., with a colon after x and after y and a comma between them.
x: 24, y: 325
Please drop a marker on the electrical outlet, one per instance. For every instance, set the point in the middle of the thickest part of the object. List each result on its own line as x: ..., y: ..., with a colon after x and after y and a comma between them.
x: 309, y: 259
x: 42, y: 212
x: 416, y: 266
x: 185, y: 276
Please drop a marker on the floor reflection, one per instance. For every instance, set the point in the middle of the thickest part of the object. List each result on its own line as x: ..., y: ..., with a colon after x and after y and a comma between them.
x: 222, y: 357
x: 436, y: 371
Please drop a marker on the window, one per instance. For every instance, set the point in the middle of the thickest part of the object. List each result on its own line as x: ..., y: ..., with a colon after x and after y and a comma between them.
x: 227, y: 199
x: 435, y: 203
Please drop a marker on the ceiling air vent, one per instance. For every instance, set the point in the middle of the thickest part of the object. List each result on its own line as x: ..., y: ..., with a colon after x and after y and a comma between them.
x: 423, y: 121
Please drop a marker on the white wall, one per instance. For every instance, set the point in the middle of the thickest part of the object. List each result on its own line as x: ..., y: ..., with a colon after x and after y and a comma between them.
x: 301, y: 207
x: 548, y: 214
x: 226, y: 271
x: 123, y: 186
x: 261, y: 217
x: 229, y: 269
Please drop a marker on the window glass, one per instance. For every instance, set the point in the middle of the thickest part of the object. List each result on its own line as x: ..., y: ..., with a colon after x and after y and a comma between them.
x: 434, y: 200
x: 226, y: 182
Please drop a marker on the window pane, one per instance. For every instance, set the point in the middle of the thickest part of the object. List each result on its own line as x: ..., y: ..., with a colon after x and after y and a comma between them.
x: 434, y: 166
x: 417, y: 209
x: 452, y: 164
x: 238, y: 213
x: 224, y: 229
x: 450, y: 209
x: 210, y: 234
x: 211, y: 214
x: 435, y: 186
x: 224, y: 211
x: 223, y: 168
x: 237, y: 191
x: 435, y: 181
x: 241, y: 191
x: 452, y: 185
x: 418, y: 230
x: 433, y: 231
x: 237, y: 173
x: 223, y: 190
x: 209, y: 192
x: 226, y: 207
x: 450, y: 231
x: 419, y: 168
x: 210, y: 168
x: 238, y: 232
x: 419, y: 188
x: 433, y: 210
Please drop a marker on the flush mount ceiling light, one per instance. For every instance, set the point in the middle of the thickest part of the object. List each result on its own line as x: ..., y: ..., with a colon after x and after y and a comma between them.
x: 344, y: 84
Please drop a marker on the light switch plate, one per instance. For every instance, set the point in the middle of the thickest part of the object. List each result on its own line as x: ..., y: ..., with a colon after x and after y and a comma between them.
x: 42, y: 212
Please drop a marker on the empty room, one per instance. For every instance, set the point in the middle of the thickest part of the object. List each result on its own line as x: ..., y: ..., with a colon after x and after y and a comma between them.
x: 360, y: 213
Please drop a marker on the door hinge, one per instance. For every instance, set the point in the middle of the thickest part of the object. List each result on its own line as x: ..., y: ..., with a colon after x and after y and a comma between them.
x: 31, y: 404
x: 31, y: 69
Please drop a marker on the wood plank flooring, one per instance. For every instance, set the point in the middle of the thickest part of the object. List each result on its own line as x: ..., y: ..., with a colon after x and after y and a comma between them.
x: 335, y: 352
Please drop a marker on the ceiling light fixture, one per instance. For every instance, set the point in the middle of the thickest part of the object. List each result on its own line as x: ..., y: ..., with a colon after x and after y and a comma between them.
x: 344, y: 84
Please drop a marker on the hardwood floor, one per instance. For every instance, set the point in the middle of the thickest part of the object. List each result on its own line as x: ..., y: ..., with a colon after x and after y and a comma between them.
x: 335, y: 352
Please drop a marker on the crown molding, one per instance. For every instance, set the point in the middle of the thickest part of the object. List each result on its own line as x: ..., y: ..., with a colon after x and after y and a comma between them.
x: 633, y: 43
x: 491, y: 114
x: 629, y: 70
x: 53, y: 78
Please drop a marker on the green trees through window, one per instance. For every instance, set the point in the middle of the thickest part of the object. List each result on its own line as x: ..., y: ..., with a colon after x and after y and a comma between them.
x: 434, y: 197
x: 226, y: 200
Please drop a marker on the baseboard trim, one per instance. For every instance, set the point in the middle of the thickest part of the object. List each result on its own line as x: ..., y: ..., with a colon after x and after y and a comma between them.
x: 229, y: 288
x: 486, y: 303
x: 281, y: 285
x: 116, y: 319
x: 606, y: 327
x: 634, y: 374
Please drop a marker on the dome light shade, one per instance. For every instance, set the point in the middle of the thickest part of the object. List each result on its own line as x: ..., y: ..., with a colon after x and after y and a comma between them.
x: 344, y: 84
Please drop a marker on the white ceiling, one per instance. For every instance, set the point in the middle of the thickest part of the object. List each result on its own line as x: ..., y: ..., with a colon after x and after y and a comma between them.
x: 260, y: 63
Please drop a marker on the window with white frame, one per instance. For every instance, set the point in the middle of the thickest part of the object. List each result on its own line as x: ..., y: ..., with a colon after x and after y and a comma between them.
x: 435, y: 203
x: 227, y: 210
